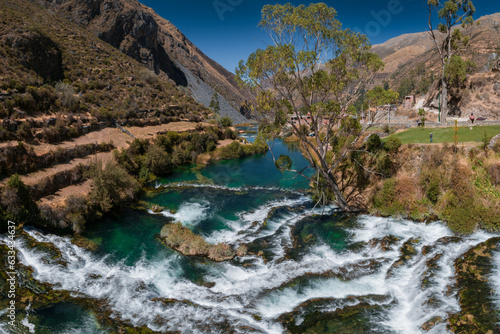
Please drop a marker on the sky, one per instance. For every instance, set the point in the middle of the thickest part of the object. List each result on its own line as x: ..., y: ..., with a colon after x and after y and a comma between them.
x: 227, y: 30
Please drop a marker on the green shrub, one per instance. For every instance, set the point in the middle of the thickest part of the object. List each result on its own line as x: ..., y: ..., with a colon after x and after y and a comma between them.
x: 232, y: 151
x: 385, y: 200
x: 158, y: 161
x: 373, y: 143
x: 225, y: 122
x: 112, y: 185
x: 384, y: 164
x: 392, y: 144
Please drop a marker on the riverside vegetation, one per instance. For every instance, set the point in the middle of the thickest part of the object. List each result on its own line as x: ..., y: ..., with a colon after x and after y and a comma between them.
x: 424, y: 182
x: 119, y: 181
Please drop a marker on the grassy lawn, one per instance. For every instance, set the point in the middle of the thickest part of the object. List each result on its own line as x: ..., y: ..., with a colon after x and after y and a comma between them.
x: 441, y: 135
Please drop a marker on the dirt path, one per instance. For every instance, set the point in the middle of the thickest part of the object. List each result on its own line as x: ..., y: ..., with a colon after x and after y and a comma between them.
x: 102, y: 136
x: 35, y: 177
x: 59, y: 198
x: 119, y: 139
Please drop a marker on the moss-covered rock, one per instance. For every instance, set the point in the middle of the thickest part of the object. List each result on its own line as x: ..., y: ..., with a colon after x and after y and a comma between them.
x: 310, y: 317
x: 183, y: 240
x: 478, y: 313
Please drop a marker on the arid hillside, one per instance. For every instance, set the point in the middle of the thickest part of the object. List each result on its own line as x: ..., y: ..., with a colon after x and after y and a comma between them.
x: 142, y: 34
x: 412, y: 60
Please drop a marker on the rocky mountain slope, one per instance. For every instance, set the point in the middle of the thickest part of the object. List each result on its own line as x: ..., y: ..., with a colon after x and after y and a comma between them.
x: 413, y: 58
x: 58, y: 80
x: 139, y: 32
x: 404, y: 53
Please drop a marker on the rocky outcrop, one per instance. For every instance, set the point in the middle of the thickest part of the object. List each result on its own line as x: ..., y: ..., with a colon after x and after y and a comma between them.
x: 477, y: 311
x: 183, y: 240
x: 139, y: 32
x: 495, y: 67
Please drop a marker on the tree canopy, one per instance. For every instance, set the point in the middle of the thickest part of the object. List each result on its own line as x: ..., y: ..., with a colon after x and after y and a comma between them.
x: 448, y: 39
x: 214, y: 103
x: 307, y: 80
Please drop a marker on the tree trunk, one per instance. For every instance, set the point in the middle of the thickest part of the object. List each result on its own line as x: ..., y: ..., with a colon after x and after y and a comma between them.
x: 339, y: 197
x: 444, y: 99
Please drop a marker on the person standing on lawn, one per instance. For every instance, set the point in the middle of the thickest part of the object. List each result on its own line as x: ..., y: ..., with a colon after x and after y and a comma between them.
x: 472, y: 118
x: 431, y: 137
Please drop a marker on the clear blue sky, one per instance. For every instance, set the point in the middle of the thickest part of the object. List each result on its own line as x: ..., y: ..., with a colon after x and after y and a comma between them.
x: 226, y: 30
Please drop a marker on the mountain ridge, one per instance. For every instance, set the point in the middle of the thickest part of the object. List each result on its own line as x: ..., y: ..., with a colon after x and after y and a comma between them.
x: 141, y: 33
x: 412, y: 60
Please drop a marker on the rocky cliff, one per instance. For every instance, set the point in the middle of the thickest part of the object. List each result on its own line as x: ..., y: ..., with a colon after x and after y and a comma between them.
x: 139, y: 32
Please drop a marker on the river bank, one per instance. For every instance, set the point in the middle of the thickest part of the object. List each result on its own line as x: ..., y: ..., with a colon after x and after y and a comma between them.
x: 308, y: 268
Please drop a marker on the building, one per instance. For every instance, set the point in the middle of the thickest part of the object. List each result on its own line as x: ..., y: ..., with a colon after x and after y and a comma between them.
x: 409, y: 101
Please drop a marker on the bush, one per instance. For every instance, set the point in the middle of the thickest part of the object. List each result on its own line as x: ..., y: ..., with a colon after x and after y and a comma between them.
x: 112, y: 185
x: 225, y: 121
x: 384, y: 164
x: 232, y: 151
x: 373, y: 143
x: 157, y: 161
x: 385, y: 200
x: 17, y: 201
x: 392, y: 144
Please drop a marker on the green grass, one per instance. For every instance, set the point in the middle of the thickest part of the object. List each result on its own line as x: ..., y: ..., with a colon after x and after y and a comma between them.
x: 441, y: 135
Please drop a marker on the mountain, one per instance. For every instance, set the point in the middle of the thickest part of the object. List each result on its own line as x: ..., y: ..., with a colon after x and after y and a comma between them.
x: 50, y: 66
x: 142, y: 34
x: 411, y: 60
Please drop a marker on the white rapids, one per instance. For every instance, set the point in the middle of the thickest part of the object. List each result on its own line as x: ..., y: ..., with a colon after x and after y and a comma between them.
x: 250, y: 298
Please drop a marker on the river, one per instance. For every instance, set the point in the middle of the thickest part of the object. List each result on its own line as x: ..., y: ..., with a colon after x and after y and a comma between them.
x: 315, y: 263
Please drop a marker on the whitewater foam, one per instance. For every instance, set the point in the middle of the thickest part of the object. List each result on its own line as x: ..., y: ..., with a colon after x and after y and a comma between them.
x: 495, y: 278
x: 189, y: 213
x: 250, y: 297
x: 220, y: 187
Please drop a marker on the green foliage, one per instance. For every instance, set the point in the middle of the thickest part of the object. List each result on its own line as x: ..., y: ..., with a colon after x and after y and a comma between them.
x: 112, y: 185
x: 406, y: 87
x: 225, y: 122
x: 214, y: 103
x: 236, y: 150
x: 384, y: 164
x: 386, y: 85
x: 392, y: 144
x: 306, y: 37
x: 17, y: 204
x: 485, y: 141
x: 433, y: 191
x: 378, y: 96
x: 157, y: 161
x: 373, y: 143
x: 457, y: 69
x: 385, y: 200
x: 283, y: 163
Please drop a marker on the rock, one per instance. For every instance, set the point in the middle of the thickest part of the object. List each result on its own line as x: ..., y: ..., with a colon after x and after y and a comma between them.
x: 495, y: 66
x: 477, y: 311
x: 310, y: 317
x: 493, y: 141
x: 183, y: 240
x: 84, y: 243
x: 157, y: 208
x: 384, y: 243
x: 407, y: 251
x: 429, y: 324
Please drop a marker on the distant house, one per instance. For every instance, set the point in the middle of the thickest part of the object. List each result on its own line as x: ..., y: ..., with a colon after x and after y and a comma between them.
x: 409, y: 101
